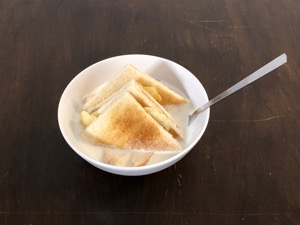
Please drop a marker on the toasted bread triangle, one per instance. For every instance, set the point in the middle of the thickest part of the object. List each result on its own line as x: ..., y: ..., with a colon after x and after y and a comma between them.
x: 133, y: 158
x: 145, y: 99
x: 128, y: 73
x: 125, y: 124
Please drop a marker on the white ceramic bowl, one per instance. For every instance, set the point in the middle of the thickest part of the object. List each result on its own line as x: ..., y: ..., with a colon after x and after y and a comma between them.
x: 166, y: 71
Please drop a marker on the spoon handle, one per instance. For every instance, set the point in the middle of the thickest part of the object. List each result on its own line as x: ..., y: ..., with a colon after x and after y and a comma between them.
x: 275, y: 63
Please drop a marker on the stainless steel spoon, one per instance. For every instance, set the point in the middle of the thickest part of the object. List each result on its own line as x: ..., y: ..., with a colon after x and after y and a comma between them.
x: 275, y: 63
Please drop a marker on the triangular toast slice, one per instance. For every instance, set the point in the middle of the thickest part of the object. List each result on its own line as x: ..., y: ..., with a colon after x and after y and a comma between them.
x: 128, y: 73
x: 133, y: 158
x: 148, y: 102
x: 125, y: 124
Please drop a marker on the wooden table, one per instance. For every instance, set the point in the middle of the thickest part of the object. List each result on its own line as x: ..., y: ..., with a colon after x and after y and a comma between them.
x: 244, y: 170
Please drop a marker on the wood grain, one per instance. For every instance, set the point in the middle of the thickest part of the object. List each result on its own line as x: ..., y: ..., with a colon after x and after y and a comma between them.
x: 245, y: 169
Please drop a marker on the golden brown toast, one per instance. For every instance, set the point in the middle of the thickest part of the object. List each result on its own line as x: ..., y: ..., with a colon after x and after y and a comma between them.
x: 147, y: 101
x: 128, y: 73
x: 125, y: 124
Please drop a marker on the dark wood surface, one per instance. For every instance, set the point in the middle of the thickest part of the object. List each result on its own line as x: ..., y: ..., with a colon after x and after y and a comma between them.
x: 244, y: 170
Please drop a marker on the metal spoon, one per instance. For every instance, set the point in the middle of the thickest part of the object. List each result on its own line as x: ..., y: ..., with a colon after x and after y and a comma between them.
x: 275, y: 63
